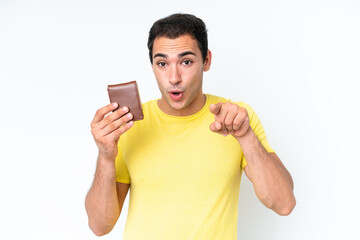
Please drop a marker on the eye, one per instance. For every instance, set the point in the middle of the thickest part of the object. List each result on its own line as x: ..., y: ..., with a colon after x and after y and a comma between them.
x: 187, y: 62
x: 161, y: 64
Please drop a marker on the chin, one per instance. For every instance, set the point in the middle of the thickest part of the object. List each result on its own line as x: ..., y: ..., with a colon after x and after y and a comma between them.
x: 177, y: 106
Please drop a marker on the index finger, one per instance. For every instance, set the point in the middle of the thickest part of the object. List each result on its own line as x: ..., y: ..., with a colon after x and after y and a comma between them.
x: 100, y: 113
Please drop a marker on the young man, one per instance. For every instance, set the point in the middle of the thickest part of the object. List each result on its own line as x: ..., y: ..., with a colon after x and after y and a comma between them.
x: 184, y: 161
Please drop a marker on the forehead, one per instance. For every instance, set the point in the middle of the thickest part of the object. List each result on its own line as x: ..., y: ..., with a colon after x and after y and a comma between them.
x: 167, y: 46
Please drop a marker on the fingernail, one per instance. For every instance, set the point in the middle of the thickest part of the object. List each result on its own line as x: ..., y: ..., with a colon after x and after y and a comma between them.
x: 125, y: 109
x: 129, y: 116
x: 131, y: 123
x: 114, y: 104
x: 224, y: 134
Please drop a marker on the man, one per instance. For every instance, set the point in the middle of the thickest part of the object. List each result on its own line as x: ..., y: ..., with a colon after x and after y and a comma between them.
x: 184, y: 161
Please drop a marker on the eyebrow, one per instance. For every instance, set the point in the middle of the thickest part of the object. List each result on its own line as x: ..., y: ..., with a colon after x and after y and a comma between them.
x: 179, y: 55
x: 186, y: 53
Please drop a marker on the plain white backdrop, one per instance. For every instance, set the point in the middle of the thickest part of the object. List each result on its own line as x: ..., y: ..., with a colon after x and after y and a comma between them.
x: 295, y: 62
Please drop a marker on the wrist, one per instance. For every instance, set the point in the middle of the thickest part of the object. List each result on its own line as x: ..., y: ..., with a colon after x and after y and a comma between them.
x: 105, y: 168
x: 247, y: 137
x: 106, y: 159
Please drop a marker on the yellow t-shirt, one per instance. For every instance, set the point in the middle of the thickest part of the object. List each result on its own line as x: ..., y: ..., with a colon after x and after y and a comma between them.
x: 185, y: 179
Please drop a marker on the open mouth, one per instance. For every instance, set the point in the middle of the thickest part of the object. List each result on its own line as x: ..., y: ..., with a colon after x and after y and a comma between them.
x: 175, y: 92
x: 176, y: 95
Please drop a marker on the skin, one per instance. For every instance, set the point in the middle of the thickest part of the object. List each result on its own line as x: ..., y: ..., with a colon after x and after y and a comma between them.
x: 178, y: 64
x: 272, y: 183
x: 105, y: 198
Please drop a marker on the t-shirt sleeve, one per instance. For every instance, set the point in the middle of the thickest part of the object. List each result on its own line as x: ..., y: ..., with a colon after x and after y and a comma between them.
x: 257, y: 128
x: 122, y: 173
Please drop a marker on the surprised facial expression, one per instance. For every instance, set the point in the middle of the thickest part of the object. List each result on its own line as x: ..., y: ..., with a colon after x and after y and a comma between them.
x: 178, y: 67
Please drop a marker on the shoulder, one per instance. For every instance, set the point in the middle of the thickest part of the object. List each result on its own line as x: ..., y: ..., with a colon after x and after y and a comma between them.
x: 149, y: 103
x: 248, y: 108
x: 149, y: 106
x: 213, y: 99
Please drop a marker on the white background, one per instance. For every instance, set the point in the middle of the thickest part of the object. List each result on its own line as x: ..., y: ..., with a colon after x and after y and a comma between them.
x: 295, y: 62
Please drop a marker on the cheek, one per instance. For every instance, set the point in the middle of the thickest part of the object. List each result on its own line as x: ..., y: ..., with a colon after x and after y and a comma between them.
x: 197, y: 77
x: 161, y: 84
x: 192, y: 75
x: 159, y: 77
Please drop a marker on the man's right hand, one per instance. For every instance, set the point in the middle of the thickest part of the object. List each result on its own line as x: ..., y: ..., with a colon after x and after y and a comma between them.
x: 107, y: 130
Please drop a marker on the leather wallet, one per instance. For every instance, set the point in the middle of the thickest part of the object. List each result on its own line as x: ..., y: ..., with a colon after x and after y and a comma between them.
x: 127, y: 94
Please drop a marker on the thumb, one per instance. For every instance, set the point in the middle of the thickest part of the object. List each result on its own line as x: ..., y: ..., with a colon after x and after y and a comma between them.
x: 215, y: 108
x: 215, y: 126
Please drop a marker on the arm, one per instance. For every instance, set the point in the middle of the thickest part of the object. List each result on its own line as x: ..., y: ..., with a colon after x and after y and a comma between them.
x: 105, y: 198
x: 272, y: 183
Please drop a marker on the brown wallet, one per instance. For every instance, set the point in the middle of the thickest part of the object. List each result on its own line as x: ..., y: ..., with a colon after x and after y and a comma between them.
x: 127, y: 94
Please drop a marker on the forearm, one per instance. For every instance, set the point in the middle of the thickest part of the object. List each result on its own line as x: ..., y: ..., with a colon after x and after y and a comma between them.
x: 272, y: 182
x: 101, y: 202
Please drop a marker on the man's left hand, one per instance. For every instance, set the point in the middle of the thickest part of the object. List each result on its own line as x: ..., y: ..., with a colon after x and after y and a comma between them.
x: 229, y: 119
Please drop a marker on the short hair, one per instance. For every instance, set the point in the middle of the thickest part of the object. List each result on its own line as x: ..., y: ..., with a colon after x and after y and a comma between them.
x: 177, y: 25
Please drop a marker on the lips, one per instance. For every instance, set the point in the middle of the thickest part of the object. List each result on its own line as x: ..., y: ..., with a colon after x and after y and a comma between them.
x: 176, y: 95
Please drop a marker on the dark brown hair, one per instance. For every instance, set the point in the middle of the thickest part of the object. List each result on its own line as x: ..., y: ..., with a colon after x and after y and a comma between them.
x: 177, y: 25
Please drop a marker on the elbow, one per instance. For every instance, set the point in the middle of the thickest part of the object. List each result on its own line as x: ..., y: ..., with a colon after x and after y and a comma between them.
x: 98, y: 224
x: 98, y: 231
x: 287, y: 208
x: 99, y: 234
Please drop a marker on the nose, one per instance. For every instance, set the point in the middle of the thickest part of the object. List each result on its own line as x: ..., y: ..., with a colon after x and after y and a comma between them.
x: 175, y: 77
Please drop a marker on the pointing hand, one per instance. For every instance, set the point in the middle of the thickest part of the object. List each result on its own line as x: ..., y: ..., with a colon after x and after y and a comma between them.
x: 229, y: 119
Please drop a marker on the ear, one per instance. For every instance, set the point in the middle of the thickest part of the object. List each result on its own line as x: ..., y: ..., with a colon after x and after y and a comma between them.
x: 207, y: 62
